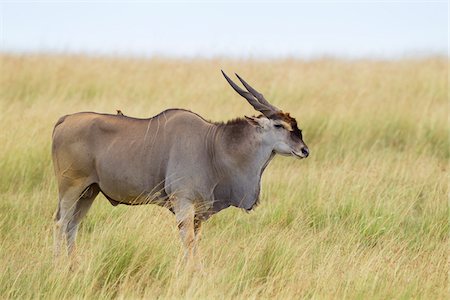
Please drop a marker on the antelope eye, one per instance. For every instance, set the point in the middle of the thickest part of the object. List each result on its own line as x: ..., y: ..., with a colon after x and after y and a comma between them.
x: 278, y: 126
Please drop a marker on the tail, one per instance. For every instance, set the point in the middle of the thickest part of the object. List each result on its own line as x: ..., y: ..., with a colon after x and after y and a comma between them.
x: 57, y: 214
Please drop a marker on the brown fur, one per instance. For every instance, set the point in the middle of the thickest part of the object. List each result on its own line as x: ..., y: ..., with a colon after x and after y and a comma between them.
x: 290, y: 120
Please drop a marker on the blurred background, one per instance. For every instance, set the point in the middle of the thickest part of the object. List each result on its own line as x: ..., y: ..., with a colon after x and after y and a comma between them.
x: 364, y: 217
x: 253, y: 29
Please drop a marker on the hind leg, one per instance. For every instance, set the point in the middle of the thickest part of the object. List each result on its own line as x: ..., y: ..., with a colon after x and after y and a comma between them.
x: 82, y: 207
x: 67, y: 206
x: 67, y: 202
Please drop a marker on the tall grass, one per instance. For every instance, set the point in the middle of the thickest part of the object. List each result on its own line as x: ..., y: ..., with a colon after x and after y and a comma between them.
x: 365, y: 216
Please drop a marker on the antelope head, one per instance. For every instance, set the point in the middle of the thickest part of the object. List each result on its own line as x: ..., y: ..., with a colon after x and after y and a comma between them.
x: 278, y: 128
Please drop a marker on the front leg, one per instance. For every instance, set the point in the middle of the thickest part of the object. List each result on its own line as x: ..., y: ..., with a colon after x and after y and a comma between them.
x: 198, y: 234
x: 185, y: 212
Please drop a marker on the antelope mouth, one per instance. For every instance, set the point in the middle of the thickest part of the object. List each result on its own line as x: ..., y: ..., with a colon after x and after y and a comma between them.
x: 297, y: 155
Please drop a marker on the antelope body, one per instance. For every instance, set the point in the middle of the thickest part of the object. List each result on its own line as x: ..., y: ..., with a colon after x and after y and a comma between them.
x: 175, y: 159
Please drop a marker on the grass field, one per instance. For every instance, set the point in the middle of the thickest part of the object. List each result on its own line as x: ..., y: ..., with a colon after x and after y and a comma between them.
x: 365, y: 216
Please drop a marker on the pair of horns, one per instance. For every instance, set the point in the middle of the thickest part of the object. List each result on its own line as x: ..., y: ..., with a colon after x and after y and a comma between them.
x: 253, y: 97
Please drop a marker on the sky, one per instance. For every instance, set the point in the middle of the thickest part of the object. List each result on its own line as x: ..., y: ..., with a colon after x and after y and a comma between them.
x: 270, y: 29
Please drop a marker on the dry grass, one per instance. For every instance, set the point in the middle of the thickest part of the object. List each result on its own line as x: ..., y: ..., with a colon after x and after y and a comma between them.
x: 365, y: 216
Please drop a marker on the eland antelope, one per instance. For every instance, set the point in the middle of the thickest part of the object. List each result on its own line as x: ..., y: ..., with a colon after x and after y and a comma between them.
x: 176, y: 159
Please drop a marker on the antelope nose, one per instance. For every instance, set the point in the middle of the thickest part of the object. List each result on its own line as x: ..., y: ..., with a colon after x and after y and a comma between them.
x: 305, y: 151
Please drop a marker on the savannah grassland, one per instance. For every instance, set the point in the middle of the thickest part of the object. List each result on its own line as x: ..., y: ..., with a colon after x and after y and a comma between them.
x: 365, y: 216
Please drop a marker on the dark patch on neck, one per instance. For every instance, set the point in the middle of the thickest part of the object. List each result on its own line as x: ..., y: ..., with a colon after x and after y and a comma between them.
x: 236, y: 121
x: 234, y: 130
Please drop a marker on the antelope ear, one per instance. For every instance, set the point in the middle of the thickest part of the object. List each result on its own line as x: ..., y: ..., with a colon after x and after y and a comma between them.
x: 255, y: 121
